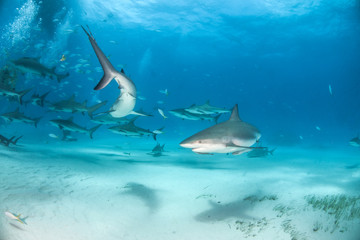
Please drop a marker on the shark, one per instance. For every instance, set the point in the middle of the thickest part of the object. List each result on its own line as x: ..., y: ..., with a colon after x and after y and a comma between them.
x: 206, y: 109
x: 157, y: 150
x: 233, y: 136
x: 107, y: 119
x: 12, y: 94
x: 125, y: 103
x: 355, y: 142
x: 131, y: 129
x: 260, y: 152
x: 183, y: 114
x: 69, y: 125
x: 17, y: 116
x: 33, y: 66
x: 7, y: 141
x: 70, y: 105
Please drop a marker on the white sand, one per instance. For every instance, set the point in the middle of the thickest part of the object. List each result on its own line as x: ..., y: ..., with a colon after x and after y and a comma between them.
x: 72, y: 192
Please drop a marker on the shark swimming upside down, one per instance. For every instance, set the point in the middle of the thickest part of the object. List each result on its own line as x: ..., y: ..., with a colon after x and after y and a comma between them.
x: 126, y: 101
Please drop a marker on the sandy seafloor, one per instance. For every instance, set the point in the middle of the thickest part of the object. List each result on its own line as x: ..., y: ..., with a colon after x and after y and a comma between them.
x: 69, y: 191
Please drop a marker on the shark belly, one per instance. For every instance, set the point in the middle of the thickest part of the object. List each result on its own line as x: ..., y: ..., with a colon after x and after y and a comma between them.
x: 125, y: 103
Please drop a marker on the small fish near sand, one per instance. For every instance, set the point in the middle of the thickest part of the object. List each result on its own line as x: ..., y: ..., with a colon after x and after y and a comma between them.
x: 16, y: 217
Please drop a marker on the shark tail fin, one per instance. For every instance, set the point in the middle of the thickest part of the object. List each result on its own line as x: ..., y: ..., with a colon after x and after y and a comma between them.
x: 60, y: 77
x: 15, y: 141
x: 92, y: 130
x: 94, y: 108
x: 7, y: 143
x: 42, y: 98
x: 105, y: 80
x: 272, y: 151
x: 36, y: 121
x: 216, y: 118
x: 21, y: 95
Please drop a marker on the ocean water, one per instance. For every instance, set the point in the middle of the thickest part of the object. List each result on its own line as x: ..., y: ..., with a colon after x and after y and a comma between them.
x: 292, y: 67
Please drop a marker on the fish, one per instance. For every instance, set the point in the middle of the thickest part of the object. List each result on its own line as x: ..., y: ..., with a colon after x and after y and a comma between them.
x: 165, y: 91
x: 206, y: 109
x: 158, y: 150
x: 233, y: 136
x: 7, y: 141
x: 69, y: 125
x: 183, y: 114
x: 63, y: 58
x: 52, y: 135
x: 257, y: 152
x: 70, y: 105
x: 33, y: 65
x: 132, y: 130
x: 355, y: 142
x: 17, y: 116
x: 16, y: 217
x: 125, y: 103
x: 162, y: 113
x: 11, y: 93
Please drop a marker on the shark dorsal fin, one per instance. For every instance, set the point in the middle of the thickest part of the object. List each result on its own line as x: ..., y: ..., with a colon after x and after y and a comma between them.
x: 71, y: 118
x: 72, y: 98
x: 235, y: 114
x: 133, y: 120
x: 207, y: 102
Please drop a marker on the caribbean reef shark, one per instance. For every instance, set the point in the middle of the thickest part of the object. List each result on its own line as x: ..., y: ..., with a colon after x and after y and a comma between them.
x: 33, y: 65
x: 12, y: 94
x: 18, y: 116
x: 233, y: 136
x: 132, y: 130
x: 125, y: 103
x: 70, y: 105
x: 69, y: 125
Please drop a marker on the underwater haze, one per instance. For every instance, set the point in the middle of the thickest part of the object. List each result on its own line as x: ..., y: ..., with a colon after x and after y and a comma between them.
x: 225, y: 120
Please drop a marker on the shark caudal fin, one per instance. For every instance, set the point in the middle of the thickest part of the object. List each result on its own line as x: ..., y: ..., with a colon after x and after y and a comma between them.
x: 92, y: 130
x: 36, y: 121
x: 60, y: 77
x: 42, y: 98
x: 216, y: 118
x: 94, y: 108
x: 21, y: 95
x: 15, y: 141
x: 107, y: 67
x: 272, y: 151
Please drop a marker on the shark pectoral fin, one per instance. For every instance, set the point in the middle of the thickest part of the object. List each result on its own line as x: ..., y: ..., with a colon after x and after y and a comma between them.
x: 201, y: 153
x: 242, y: 151
x: 139, y: 114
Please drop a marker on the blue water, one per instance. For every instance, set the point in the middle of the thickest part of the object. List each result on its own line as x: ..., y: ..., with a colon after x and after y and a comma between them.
x: 277, y: 60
